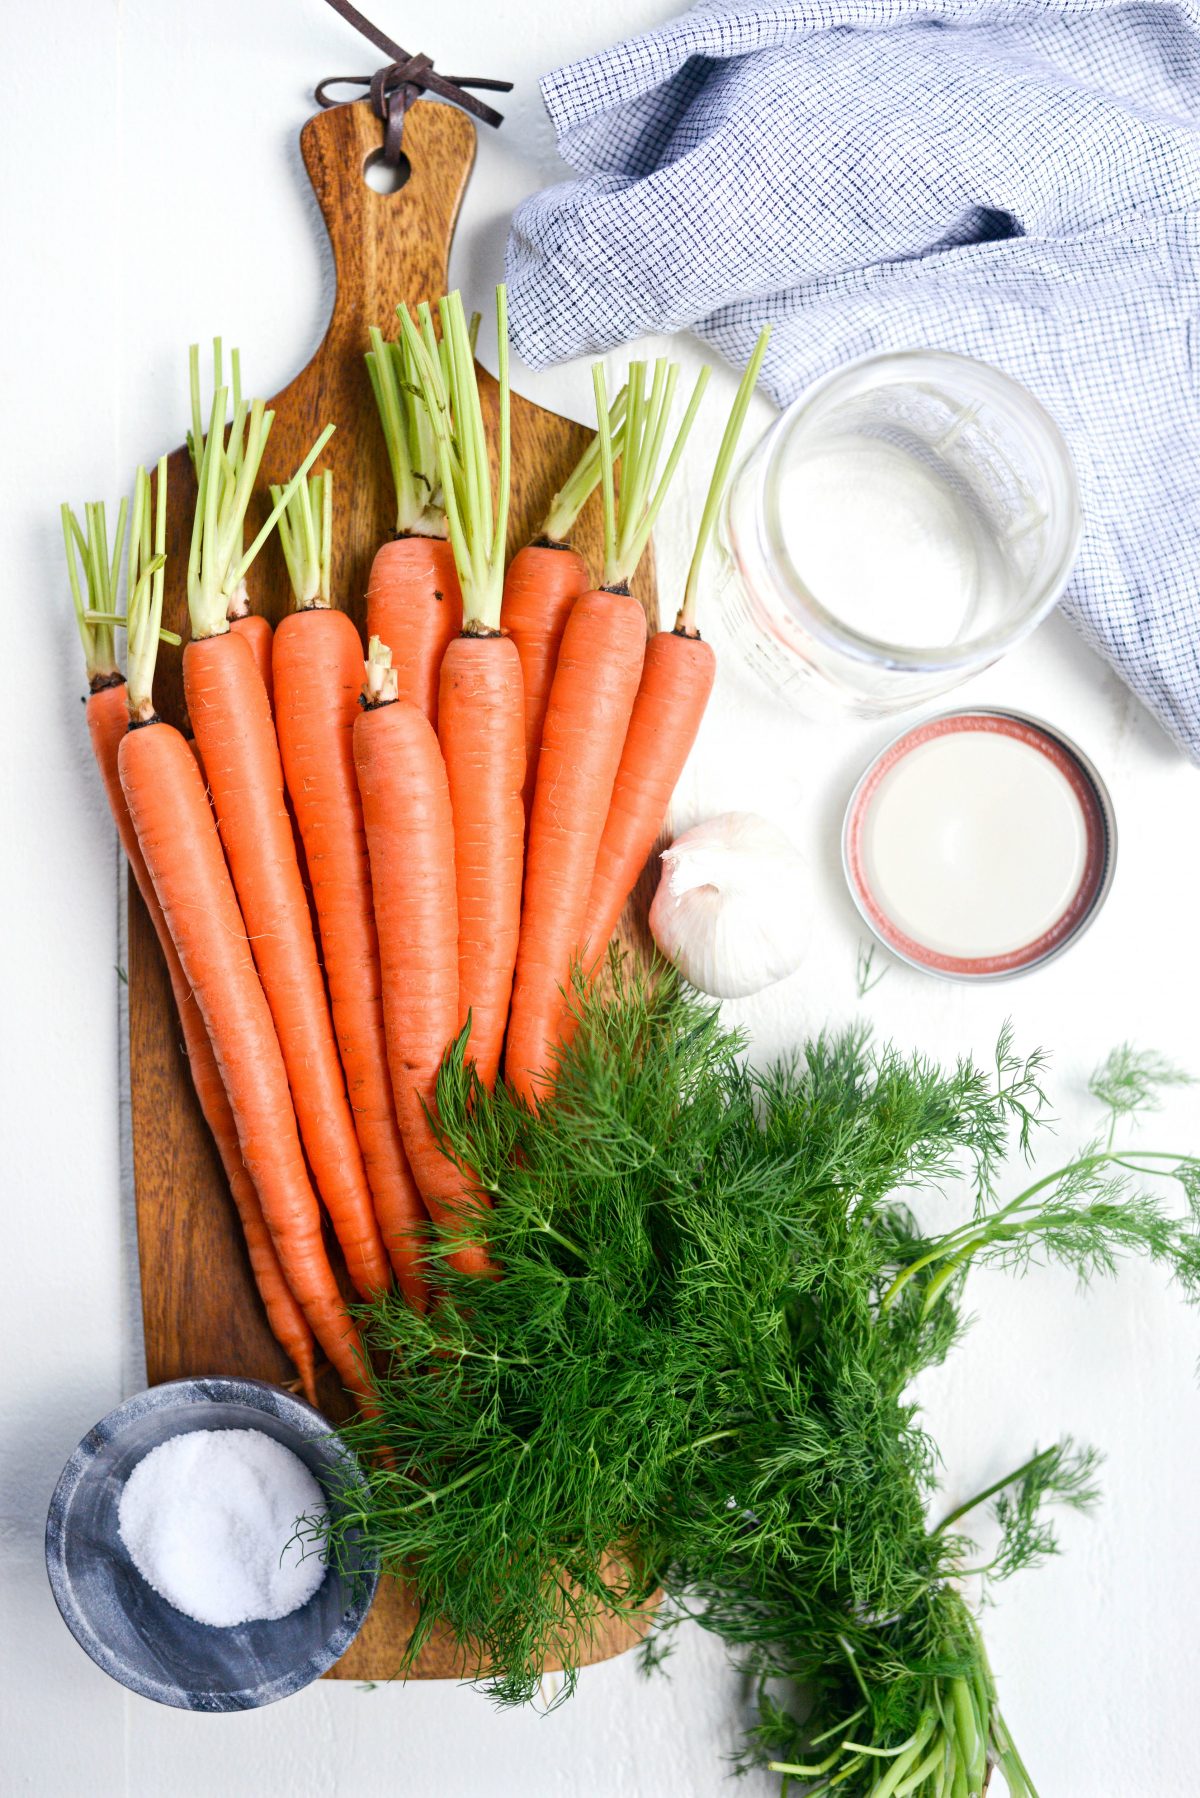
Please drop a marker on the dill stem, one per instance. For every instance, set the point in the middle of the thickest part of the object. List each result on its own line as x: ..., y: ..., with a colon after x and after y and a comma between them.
x: 689, y: 1448
x: 1010, y: 1479
x: 839, y: 1728
x: 800, y: 1770
x: 979, y: 1231
x: 547, y: 1229
x: 918, y: 1736
x: 1076, y: 1167
x: 848, y: 1651
x: 431, y: 1498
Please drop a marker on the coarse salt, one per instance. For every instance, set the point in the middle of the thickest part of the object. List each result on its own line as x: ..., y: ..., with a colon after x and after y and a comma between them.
x: 209, y: 1519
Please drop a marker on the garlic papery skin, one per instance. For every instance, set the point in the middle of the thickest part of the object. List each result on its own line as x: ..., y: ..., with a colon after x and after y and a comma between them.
x: 731, y: 907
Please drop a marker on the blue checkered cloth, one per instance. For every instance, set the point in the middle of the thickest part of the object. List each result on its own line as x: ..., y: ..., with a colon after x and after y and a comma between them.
x: 1018, y: 181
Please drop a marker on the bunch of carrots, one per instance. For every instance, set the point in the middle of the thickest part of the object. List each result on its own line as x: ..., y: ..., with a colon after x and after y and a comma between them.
x: 349, y: 862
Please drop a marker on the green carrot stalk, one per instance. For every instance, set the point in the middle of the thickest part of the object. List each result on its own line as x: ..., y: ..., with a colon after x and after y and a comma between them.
x: 306, y: 537
x: 227, y: 469
x: 147, y: 558
x: 408, y: 435
x: 686, y: 621
x: 476, y: 523
x: 628, y: 524
x: 94, y: 597
x: 583, y: 480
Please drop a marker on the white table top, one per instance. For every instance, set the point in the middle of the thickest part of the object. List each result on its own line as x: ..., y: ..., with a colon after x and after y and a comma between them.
x: 154, y: 194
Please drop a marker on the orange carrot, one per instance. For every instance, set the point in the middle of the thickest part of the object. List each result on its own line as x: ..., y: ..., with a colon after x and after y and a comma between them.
x: 676, y: 682
x: 283, y: 1313
x: 591, y: 699
x: 410, y: 837
x: 413, y: 598
x: 257, y: 633
x: 413, y: 601
x: 677, y: 679
x: 318, y: 677
x: 169, y: 808
x: 232, y: 721
x: 481, y: 711
x: 542, y: 584
x: 480, y: 731
x: 599, y: 666
x: 108, y: 719
x: 230, y: 715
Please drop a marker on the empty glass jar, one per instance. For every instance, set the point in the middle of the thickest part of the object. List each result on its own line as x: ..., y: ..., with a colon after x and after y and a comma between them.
x: 903, y: 524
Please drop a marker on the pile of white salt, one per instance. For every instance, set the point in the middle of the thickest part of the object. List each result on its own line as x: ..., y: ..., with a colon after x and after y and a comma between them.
x: 209, y: 1519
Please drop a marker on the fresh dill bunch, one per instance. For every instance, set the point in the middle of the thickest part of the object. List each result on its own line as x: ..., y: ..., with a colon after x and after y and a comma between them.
x: 692, y: 1373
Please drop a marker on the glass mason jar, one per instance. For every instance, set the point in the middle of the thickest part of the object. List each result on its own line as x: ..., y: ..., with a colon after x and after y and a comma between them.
x: 905, y: 522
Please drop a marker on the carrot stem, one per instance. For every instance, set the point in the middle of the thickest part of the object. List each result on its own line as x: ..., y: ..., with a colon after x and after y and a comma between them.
x: 380, y: 682
x: 327, y: 538
x: 195, y: 437
x: 94, y: 596
x: 96, y: 616
x: 604, y: 439
x: 277, y: 511
x: 500, y: 540
x: 686, y: 620
x: 412, y: 452
x: 478, y: 529
x: 144, y: 602
x: 629, y: 521
x: 306, y: 537
x: 582, y: 481
x: 226, y: 473
x: 650, y: 518
x: 644, y: 437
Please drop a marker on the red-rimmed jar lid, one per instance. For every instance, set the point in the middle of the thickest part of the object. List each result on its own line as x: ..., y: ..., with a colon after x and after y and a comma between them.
x: 979, y: 844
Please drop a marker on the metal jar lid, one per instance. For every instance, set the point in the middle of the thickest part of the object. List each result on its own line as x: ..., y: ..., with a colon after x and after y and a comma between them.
x: 949, y: 822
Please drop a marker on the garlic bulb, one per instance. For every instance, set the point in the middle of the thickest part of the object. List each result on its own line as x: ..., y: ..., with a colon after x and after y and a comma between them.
x: 730, y: 910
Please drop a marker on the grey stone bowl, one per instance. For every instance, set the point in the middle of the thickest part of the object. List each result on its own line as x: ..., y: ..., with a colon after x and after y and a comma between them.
x: 123, y: 1623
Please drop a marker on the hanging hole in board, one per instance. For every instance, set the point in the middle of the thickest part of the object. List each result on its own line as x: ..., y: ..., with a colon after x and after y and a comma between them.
x: 381, y: 178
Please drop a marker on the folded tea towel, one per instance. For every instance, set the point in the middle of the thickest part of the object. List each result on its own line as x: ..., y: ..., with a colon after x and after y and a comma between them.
x: 1018, y: 180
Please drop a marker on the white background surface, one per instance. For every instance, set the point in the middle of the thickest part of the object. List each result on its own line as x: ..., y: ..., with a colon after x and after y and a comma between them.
x: 153, y: 193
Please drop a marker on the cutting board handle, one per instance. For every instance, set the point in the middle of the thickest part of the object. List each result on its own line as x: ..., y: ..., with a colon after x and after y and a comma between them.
x: 387, y: 246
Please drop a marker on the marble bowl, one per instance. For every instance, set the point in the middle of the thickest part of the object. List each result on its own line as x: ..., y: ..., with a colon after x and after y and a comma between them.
x: 123, y: 1623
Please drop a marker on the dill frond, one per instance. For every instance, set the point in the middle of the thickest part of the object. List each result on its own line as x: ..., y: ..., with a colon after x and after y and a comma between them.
x: 693, y: 1372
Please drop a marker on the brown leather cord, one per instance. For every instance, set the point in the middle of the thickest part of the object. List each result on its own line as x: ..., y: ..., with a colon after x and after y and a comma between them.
x: 393, y: 88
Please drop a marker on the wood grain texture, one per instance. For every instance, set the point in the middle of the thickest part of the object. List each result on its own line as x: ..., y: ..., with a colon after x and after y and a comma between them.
x: 201, y: 1312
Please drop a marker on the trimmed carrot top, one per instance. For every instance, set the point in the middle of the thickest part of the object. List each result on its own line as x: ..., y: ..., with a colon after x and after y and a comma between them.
x: 306, y: 537
x: 226, y: 470
x: 379, y: 677
x: 144, y: 602
x: 408, y: 434
x: 477, y: 526
x: 95, y: 597
x: 583, y: 479
x: 629, y: 521
x: 685, y: 622
x: 96, y: 614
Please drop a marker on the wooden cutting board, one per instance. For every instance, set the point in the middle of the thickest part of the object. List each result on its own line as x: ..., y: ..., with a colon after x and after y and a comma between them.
x: 201, y: 1312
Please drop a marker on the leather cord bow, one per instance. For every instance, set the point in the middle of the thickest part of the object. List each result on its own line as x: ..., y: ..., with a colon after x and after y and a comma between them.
x: 393, y: 88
